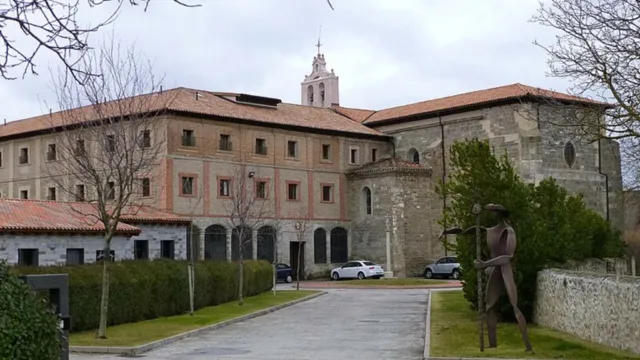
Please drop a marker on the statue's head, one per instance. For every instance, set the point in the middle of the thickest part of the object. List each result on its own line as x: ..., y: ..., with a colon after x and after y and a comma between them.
x: 497, y: 209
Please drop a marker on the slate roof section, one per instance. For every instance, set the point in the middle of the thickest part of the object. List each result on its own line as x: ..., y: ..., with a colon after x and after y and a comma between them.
x: 474, y: 98
x: 71, y: 217
x: 389, y: 165
x: 198, y: 102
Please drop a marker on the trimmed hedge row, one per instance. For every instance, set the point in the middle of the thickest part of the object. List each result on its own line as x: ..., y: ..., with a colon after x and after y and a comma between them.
x: 142, y: 290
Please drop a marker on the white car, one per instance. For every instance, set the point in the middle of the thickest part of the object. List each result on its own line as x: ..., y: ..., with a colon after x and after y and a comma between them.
x: 359, y: 269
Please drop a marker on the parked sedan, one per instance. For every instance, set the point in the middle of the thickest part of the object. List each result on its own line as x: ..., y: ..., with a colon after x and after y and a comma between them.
x: 359, y: 269
x: 284, y: 272
x: 447, y: 266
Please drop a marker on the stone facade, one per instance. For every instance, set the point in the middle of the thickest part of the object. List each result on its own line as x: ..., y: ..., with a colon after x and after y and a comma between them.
x: 52, y: 248
x: 597, y: 308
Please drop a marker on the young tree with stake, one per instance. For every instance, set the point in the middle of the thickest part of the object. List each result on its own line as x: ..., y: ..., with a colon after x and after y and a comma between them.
x: 301, y: 229
x: 107, y: 146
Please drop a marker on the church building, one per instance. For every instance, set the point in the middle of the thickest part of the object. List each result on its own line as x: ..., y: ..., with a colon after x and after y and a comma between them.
x: 353, y: 177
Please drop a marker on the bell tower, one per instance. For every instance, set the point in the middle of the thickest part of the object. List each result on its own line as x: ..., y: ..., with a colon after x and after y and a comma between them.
x: 320, y: 88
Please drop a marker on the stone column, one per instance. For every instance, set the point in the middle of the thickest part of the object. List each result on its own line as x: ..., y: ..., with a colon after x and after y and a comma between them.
x: 328, y: 243
x: 229, y: 244
x: 201, y: 245
x: 388, y: 270
x: 254, y: 245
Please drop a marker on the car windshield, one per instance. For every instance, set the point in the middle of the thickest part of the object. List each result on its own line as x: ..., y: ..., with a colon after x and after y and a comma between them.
x: 368, y: 263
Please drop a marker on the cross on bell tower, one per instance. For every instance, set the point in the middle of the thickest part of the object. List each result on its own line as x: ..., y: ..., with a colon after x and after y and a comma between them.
x: 318, y: 45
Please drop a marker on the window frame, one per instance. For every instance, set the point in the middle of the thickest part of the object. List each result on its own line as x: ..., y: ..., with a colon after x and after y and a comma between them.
x: 298, y: 191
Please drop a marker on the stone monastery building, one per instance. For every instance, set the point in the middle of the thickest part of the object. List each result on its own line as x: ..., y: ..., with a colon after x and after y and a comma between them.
x: 354, y: 174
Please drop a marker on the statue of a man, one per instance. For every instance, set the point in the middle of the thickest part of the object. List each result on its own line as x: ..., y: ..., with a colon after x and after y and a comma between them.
x: 501, y: 239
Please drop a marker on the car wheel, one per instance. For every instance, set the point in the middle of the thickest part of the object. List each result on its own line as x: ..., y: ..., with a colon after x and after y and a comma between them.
x: 428, y: 274
x: 456, y: 274
x: 289, y: 279
x: 360, y: 275
x: 335, y: 276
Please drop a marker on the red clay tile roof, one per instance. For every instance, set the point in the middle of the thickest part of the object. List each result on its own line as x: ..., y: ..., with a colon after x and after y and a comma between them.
x: 69, y: 217
x: 357, y: 115
x: 507, y: 92
x: 389, y: 165
x: 207, y: 103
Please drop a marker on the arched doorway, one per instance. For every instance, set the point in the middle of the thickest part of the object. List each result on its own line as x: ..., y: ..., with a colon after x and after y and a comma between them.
x: 267, y: 244
x: 215, y: 243
x: 339, y: 245
x: 320, y: 246
x: 247, y: 244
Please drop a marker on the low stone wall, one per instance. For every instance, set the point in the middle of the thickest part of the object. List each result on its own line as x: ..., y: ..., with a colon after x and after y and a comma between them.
x: 613, y: 266
x: 600, y: 308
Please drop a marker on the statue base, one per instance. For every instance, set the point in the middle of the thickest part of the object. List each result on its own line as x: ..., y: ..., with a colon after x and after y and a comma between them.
x: 388, y: 275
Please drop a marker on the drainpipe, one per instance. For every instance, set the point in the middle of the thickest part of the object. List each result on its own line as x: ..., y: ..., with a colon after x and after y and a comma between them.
x: 606, y: 177
x: 444, y: 177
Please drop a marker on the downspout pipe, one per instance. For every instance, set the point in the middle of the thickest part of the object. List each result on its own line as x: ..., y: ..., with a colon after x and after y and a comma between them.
x: 444, y: 179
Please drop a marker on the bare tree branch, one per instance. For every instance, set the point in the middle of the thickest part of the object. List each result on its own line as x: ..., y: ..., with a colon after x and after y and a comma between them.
x: 51, y: 25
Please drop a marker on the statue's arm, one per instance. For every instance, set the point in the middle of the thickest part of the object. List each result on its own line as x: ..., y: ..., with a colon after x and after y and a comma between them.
x: 459, y: 231
x: 507, y: 242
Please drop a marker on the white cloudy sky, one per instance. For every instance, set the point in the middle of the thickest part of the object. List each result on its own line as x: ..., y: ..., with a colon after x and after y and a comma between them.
x: 386, y: 52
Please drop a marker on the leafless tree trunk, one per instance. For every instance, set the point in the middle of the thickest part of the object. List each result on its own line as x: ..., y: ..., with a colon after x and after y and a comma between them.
x: 301, y: 227
x: 246, y: 209
x: 107, y: 143
x: 51, y: 25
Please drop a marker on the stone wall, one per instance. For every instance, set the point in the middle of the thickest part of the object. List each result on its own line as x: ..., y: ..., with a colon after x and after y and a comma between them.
x: 612, y: 266
x: 598, y: 308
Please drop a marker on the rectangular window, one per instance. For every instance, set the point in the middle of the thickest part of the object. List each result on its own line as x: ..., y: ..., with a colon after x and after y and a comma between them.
x: 145, y: 139
x: 75, y: 256
x: 80, y: 149
x: 51, y: 194
x: 111, y: 190
x: 100, y: 255
x: 24, y: 194
x: 187, y: 185
x: 167, y: 249
x: 326, y: 151
x: 225, y: 142
x: 261, y: 189
x: 0, y: 159
x: 24, y: 156
x: 292, y: 191
x: 353, y: 156
x: 188, y: 138
x: 79, y: 192
x: 28, y: 257
x: 141, y: 249
x: 146, y: 187
x: 110, y: 145
x: 327, y: 192
x: 374, y: 154
x: 292, y: 148
x: 261, y: 147
x: 224, y: 187
x: 52, y: 152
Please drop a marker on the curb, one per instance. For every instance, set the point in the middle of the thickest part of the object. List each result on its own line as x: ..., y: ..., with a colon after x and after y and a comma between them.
x: 475, y: 358
x: 381, y: 287
x: 136, y: 350
x: 427, y: 330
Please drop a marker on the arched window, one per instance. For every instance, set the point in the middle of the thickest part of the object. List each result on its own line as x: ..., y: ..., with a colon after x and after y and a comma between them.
x: 320, y: 246
x: 569, y: 153
x: 267, y: 244
x: 339, y: 245
x: 247, y: 244
x: 366, y: 200
x: 310, y: 94
x: 215, y: 243
x: 413, y: 156
x: 321, y: 86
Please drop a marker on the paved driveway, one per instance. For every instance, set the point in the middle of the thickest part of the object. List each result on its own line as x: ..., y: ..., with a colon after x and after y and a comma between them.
x: 343, y: 324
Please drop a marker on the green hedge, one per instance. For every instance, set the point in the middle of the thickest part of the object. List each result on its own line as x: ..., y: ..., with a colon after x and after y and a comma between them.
x: 142, y: 290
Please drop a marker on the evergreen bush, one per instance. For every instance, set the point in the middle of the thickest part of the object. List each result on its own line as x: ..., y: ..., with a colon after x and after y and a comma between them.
x: 28, y: 326
x: 551, y: 225
x: 142, y: 290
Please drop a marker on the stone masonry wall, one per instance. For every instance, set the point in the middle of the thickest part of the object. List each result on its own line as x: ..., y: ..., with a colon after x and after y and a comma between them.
x: 598, y: 308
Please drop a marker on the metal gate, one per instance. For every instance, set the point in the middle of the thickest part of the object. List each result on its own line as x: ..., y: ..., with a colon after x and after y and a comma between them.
x: 58, y: 287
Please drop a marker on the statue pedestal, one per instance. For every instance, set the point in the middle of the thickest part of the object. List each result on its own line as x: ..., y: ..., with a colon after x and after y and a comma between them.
x: 388, y: 275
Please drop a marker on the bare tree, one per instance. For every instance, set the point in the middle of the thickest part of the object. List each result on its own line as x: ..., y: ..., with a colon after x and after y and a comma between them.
x: 597, y: 48
x: 247, y: 209
x: 301, y: 228
x: 53, y: 26
x: 106, y: 146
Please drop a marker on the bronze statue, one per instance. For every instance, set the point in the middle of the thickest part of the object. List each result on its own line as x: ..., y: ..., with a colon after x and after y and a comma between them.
x: 501, y: 239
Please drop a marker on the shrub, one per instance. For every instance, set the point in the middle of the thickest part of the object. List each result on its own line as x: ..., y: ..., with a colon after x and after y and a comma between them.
x: 28, y: 326
x: 142, y: 290
x: 551, y: 225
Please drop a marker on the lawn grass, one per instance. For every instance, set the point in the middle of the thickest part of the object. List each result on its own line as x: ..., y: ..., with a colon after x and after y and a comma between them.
x: 151, y: 330
x: 454, y: 333
x: 391, y: 282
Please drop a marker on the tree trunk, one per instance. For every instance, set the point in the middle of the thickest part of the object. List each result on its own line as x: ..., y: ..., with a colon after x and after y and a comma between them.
x: 104, y: 301
x: 298, y: 265
x: 240, y: 272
